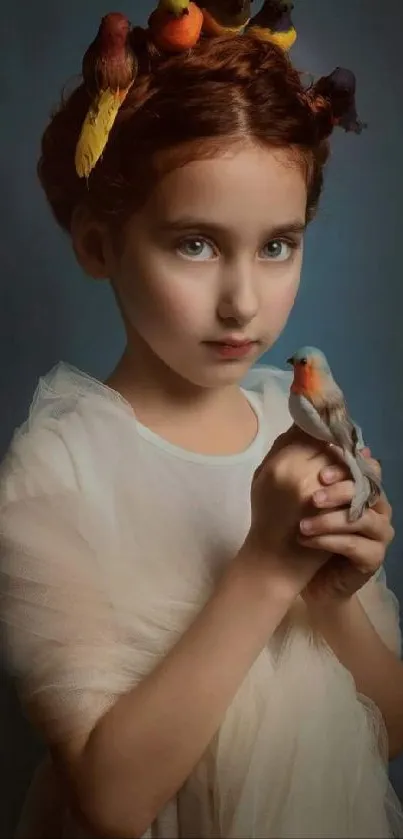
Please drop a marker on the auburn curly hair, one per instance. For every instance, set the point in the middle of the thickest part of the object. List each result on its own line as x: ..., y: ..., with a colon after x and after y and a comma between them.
x: 194, y: 105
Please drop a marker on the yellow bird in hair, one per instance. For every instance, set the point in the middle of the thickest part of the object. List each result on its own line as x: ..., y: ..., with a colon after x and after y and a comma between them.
x: 225, y: 17
x: 177, y: 8
x: 273, y: 23
x: 109, y: 69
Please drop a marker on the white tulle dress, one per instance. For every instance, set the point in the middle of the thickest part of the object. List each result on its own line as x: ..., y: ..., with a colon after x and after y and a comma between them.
x: 112, y: 540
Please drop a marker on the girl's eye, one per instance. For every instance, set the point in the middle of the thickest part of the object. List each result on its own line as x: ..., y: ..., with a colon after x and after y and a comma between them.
x: 196, y: 248
x: 278, y: 250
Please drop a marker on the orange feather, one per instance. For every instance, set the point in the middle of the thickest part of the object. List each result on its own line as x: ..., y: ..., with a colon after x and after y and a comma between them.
x: 307, y: 380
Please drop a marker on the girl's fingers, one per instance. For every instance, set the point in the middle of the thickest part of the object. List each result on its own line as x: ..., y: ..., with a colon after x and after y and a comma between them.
x: 383, y: 507
x: 376, y: 465
x: 334, y: 474
x: 341, y: 494
x: 372, y: 525
x: 366, y: 554
x: 336, y: 495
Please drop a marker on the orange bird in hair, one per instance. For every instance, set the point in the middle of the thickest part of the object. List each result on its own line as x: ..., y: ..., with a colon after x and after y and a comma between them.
x: 173, y: 32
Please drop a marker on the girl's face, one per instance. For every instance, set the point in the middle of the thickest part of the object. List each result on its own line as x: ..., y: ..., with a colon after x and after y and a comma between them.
x: 214, y: 254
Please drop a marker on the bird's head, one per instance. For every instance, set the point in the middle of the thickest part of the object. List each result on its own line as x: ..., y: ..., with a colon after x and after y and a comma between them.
x: 279, y: 6
x: 311, y: 370
x: 343, y: 81
x: 177, y: 8
x: 114, y: 28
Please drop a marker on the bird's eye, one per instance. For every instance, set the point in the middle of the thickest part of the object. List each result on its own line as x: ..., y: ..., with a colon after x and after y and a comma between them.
x: 303, y: 361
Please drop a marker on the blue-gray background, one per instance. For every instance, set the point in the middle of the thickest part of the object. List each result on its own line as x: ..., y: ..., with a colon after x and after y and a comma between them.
x: 351, y: 299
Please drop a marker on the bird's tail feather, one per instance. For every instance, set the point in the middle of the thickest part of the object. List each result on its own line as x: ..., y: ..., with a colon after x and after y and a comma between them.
x: 367, y: 484
x: 96, y: 128
x: 374, y: 480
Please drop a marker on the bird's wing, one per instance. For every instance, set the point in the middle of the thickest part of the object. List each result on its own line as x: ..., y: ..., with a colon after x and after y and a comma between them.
x: 326, y: 419
x: 308, y: 418
x: 335, y: 414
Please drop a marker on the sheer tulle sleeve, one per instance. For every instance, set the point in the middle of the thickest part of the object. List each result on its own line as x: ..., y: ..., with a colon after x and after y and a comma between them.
x: 382, y: 608
x: 62, y: 640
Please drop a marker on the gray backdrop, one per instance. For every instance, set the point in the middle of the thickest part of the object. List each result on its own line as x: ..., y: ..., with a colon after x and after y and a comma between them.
x: 352, y: 293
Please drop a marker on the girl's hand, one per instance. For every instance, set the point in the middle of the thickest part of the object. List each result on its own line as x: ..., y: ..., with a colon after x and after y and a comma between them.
x: 359, y: 547
x: 282, y: 488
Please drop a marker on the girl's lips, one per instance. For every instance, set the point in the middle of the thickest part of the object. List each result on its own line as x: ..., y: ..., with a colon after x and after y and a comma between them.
x: 231, y: 350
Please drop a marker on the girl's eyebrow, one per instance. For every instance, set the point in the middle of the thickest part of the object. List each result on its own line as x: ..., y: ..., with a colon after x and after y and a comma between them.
x: 193, y: 223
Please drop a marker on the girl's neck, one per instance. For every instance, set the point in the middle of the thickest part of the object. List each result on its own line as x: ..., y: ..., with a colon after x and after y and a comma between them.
x: 204, y: 420
x: 149, y: 385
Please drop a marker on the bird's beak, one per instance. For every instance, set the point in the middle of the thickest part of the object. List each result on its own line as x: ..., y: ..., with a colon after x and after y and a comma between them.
x: 290, y: 361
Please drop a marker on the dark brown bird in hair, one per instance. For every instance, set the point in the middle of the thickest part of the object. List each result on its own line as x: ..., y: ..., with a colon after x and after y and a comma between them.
x: 339, y: 88
x: 109, y: 62
x: 109, y: 70
x: 225, y: 17
x: 273, y: 23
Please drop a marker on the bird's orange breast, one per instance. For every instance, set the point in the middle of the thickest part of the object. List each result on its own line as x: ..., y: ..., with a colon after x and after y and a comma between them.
x: 307, y: 380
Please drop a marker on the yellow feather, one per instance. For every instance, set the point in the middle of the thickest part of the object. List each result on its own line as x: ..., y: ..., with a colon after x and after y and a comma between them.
x: 96, y: 129
x: 285, y: 40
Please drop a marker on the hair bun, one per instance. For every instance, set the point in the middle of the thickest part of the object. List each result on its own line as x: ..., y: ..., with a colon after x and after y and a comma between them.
x: 202, y: 100
x: 144, y: 48
x: 321, y: 108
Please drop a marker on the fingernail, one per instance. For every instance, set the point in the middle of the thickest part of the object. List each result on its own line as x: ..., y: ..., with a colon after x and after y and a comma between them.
x: 306, y: 526
x: 320, y: 497
x: 330, y: 474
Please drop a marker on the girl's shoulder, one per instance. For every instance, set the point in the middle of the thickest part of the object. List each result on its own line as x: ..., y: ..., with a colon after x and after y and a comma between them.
x: 264, y: 378
x: 68, y: 441
x: 271, y: 387
x: 69, y: 423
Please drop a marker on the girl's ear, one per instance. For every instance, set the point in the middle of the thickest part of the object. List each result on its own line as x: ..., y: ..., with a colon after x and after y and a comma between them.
x: 91, y: 244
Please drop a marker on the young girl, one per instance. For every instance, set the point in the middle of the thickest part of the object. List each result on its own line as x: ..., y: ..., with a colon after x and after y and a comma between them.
x: 171, y: 645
